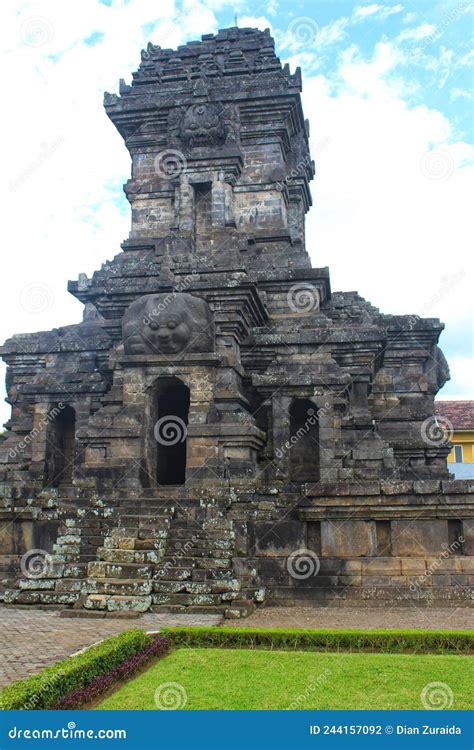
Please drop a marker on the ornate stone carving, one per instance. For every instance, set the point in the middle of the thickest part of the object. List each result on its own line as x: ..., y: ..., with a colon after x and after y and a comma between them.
x: 439, y: 369
x: 203, y: 124
x: 168, y: 324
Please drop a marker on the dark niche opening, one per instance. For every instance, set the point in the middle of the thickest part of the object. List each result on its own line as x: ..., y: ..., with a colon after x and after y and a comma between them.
x: 304, y: 440
x: 455, y: 537
x: 383, y: 533
x: 60, y: 446
x: 170, y: 430
x: 202, y: 208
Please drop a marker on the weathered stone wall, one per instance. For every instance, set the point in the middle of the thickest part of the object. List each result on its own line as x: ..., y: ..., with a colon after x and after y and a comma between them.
x: 214, y: 292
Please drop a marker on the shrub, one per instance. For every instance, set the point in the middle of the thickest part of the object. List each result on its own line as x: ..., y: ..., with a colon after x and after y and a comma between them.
x: 384, y: 641
x: 49, y: 686
x: 98, y: 686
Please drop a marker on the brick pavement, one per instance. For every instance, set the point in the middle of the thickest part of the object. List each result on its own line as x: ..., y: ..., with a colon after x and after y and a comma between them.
x: 365, y: 618
x: 31, y: 639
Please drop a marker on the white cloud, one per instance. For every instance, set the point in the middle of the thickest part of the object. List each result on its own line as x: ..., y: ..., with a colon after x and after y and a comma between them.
x: 391, y: 214
x: 304, y: 34
x: 376, y: 10
x: 457, y: 93
x: 467, y: 59
x: 332, y: 32
x: 367, y: 10
x: 63, y: 162
x: 272, y: 7
x: 255, y: 22
x: 417, y: 33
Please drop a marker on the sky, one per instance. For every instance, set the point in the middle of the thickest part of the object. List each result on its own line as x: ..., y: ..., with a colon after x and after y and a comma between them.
x: 387, y: 88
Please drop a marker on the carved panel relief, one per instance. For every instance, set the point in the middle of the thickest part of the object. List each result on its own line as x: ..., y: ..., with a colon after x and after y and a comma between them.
x: 203, y: 124
x: 168, y: 324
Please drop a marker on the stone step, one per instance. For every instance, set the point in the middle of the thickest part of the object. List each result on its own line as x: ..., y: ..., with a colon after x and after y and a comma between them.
x: 206, y: 563
x: 145, y: 512
x: 133, y: 543
x: 199, y: 553
x: 197, y: 587
x: 171, y: 560
x: 157, y: 532
x: 253, y: 593
x: 118, y: 603
x: 128, y: 556
x: 200, y: 544
x: 193, y: 609
x: 118, y: 586
x: 197, y: 533
x: 216, y: 574
x: 102, y: 569
x: 165, y: 494
x: 187, y: 599
x: 41, y: 597
x: 239, y: 609
x: 173, y: 573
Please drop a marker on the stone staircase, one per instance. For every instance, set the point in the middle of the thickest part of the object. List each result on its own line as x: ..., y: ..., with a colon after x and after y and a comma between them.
x: 197, y: 572
x: 120, y: 579
x: 136, y: 554
x: 9, y: 567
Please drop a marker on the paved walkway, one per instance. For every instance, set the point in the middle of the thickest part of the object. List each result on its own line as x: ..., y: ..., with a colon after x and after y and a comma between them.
x: 366, y: 618
x: 32, y: 639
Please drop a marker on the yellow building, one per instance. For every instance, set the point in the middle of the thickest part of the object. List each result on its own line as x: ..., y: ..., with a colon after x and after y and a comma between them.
x: 457, y: 417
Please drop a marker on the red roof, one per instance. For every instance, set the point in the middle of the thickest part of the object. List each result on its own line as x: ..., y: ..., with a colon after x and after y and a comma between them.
x: 459, y: 413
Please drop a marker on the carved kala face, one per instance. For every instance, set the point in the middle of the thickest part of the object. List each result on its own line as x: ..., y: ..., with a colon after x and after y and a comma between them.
x: 167, y: 332
x: 167, y: 324
x: 203, y: 126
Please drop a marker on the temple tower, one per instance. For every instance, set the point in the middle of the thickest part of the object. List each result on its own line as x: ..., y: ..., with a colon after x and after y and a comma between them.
x: 218, y: 397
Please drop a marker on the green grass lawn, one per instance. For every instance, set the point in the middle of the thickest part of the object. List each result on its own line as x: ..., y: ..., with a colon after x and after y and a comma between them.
x: 257, y: 679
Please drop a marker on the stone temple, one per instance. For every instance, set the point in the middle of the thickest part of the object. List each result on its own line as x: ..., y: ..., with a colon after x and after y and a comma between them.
x: 222, y: 429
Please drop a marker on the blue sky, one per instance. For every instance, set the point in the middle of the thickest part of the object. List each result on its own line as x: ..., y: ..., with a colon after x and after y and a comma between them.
x: 387, y: 88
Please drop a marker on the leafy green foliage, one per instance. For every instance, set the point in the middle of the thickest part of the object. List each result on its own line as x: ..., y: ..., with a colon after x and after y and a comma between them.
x: 46, y: 688
x: 386, y: 641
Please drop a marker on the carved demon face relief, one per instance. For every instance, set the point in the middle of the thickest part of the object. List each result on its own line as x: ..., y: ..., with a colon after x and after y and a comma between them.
x: 203, y: 125
x: 167, y: 324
